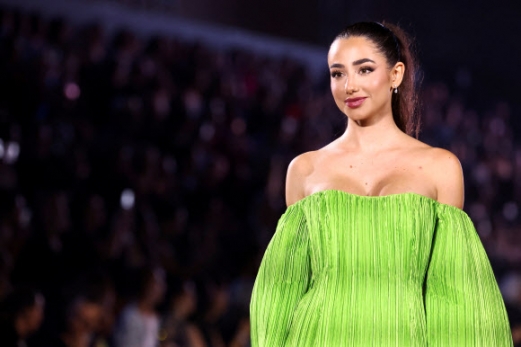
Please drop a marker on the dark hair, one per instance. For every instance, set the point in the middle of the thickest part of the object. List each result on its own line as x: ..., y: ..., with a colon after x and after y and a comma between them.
x: 395, y: 45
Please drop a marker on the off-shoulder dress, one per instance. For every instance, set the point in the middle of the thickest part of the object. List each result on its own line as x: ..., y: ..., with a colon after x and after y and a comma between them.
x: 396, y: 270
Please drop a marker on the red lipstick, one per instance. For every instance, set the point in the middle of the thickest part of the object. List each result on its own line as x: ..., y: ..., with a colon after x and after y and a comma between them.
x: 354, y: 102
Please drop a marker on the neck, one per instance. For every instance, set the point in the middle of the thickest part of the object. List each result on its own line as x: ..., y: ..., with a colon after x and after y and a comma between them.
x: 371, y: 136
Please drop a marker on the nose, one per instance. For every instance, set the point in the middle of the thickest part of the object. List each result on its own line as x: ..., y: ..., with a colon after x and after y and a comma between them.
x: 349, y: 86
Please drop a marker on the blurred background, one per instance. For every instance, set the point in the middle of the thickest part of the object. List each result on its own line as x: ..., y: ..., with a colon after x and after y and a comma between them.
x: 144, y: 145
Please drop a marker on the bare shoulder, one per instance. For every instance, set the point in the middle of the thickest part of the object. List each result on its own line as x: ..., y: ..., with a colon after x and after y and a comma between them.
x: 447, y: 176
x: 299, y: 168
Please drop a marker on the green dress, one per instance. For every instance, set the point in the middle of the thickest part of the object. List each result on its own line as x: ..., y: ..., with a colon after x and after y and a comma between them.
x: 395, y: 270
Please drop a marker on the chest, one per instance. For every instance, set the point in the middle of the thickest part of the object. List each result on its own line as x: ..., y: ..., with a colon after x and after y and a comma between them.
x: 371, y: 176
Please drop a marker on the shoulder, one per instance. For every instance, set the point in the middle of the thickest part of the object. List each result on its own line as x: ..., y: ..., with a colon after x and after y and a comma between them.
x: 299, y: 168
x: 447, y: 175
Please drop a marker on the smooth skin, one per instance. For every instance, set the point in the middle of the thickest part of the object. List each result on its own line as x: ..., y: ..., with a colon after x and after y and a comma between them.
x: 373, y: 157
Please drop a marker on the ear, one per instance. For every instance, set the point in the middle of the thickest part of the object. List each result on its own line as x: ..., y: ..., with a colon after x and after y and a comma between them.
x: 396, y: 74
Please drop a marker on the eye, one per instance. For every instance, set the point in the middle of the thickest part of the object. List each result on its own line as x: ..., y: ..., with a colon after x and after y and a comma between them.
x: 335, y: 74
x: 365, y: 70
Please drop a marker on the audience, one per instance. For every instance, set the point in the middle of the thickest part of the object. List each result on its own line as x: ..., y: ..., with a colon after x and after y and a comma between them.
x: 21, y: 314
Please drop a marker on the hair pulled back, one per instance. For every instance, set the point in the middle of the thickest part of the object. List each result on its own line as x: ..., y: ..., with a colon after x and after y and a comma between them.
x: 395, y: 45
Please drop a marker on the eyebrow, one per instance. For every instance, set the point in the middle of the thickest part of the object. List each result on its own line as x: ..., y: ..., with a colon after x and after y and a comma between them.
x: 355, y: 63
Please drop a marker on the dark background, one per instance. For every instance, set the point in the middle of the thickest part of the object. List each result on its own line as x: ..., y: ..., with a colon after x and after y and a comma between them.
x: 482, y: 36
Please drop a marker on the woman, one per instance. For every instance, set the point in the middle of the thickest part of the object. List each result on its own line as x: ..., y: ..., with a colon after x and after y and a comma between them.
x: 374, y: 249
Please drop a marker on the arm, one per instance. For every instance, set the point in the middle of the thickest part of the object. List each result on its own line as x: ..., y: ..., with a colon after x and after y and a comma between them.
x: 463, y: 303
x: 282, y: 280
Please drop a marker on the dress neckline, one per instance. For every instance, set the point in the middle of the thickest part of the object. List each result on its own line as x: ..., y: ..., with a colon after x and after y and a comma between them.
x: 373, y: 197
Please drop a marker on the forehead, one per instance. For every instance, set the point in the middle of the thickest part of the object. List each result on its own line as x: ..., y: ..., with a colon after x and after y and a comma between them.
x: 354, y: 48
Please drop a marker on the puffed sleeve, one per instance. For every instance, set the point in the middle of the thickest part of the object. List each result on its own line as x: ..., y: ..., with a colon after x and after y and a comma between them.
x: 463, y: 304
x: 282, y: 280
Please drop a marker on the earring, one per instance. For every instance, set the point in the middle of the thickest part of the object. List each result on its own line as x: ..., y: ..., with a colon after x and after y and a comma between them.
x: 395, y: 90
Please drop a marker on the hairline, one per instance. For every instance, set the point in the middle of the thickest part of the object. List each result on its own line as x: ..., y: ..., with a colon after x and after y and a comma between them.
x: 343, y: 37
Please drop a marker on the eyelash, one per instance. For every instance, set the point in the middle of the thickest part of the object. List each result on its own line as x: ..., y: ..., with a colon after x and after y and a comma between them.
x: 364, y: 70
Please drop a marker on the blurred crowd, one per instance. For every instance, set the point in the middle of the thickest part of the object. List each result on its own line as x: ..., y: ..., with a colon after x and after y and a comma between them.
x: 142, y: 178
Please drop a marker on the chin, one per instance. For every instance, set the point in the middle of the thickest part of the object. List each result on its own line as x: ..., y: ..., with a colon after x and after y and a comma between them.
x: 355, y: 115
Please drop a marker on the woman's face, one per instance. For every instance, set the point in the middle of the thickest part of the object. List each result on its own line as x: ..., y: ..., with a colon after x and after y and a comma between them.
x: 361, y: 79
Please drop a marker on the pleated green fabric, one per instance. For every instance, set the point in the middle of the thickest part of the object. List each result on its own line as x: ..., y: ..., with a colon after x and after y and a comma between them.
x: 395, y: 270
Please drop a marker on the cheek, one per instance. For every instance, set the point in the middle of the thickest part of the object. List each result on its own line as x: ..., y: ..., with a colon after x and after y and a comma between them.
x: 379, y: 84
x: 337, y: 89
x: 333, y: 87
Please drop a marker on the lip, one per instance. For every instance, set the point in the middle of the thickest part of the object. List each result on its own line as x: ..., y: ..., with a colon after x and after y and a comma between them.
x: 355, y: 102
